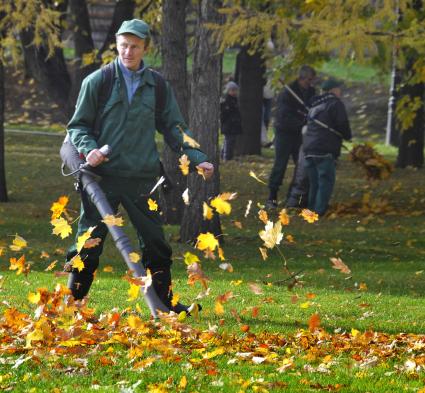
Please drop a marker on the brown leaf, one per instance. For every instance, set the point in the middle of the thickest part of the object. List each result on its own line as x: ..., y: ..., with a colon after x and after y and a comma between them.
x: 339, y: 265
x: 314, y: 322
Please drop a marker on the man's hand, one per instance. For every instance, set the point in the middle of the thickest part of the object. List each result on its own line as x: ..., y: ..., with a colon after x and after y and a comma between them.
x: 95, y: 158
x: 207, y: 169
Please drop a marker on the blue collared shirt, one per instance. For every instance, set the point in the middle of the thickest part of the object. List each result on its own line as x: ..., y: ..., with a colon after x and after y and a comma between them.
x: 131, y: 78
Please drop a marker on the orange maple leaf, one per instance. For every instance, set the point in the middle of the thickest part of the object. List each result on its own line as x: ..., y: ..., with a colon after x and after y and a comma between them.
x: 314, y: 322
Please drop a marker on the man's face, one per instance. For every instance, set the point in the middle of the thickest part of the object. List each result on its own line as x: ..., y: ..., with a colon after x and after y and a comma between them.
x: 131, y: 50
x: 305, y: 83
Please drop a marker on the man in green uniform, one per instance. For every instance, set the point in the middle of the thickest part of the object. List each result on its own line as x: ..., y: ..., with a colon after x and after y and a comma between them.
x: 128, y: 126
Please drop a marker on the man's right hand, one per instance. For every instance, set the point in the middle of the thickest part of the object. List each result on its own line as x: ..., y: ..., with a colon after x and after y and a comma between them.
x: 95, y: 158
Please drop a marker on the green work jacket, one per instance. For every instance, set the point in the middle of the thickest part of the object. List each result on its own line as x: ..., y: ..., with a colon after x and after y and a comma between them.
x: 128, y: 128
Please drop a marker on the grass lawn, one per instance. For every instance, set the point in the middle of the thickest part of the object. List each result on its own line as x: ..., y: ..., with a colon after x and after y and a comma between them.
x: 371, y: 320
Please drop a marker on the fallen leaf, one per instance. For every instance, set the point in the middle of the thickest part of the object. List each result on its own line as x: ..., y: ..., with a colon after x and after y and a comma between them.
x: 207, y: 211
x: 18, y: 243
x: 314, y: 322
x: 255, y: 288
x: 252, y: 174
x: 339, y: 265
x: 283, y: 217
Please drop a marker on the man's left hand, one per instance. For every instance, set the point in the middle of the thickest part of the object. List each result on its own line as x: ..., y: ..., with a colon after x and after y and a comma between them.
x: 207, y: 169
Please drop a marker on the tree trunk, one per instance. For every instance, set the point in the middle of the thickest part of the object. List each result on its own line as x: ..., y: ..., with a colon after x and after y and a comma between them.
x: 174, y: 54
x: 3, y: 189
x: 411, y: 141
x: 124, y: 10
x: 204, y: 118
x: 83, y: 44
x: 250, y: 74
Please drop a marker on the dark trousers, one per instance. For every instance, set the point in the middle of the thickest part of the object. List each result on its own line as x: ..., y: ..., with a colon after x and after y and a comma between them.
x: 321, y: 175
x: 228, y: 149
x: 132, y: 194
x: 286, y: 145
x: 298, y: 189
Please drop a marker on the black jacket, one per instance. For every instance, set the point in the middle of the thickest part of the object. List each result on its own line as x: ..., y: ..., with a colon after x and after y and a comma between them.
x: 290, y: 113
x: 230, y: 116
x: 319, y: 140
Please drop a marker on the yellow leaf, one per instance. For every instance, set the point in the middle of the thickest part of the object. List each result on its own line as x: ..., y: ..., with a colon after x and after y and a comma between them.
x: 18, y: 265
x: 34, y: 297
x: 236, y: 283
x: 133, y: 292
x: 309, y: 216
x: 58, y: 207
x: 362, y: 286
x: 18, y: 243
x: 182, y: 316
x: 252, y: 174
x: 206, y: 241
x: 305, y: 305
x: 262, y: 215
x: 272, y: 234
x: 175, y: 299
x: 184, y: 164
x: 218, y: 308
x: 354, y: 332
x: 221, y: 254
x: 237, y: 224
x: 290, y: 239
x: 112, y: 220
x: 183, y: 382
x: 263, y: 252
x: 108, y: 269
x: 83, y: 238
x: 51, y: 266
x: 153, y: 206
x: 61, y: 227
x: 189, y: 140
x: 190, y: 258
x: 185, y: 196
x: 35, y: 335
x: 77, y: 263
x: 207, y: 212
x: 134, y: 257
x: 283, y: 217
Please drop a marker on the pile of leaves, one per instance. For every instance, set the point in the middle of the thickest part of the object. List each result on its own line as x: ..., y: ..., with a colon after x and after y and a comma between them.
x: 62, y: 332
x: 374, y: 164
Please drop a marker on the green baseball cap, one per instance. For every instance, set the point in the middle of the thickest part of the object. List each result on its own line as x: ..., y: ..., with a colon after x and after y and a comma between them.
x: 330, y: 84
x: 135, y: 26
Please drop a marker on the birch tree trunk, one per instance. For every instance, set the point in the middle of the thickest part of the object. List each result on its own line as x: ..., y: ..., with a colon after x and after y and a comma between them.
x: 204, y: 120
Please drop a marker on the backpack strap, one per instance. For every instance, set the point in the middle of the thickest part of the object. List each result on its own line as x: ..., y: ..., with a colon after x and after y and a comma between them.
x: 108, y: 74
x: 160, y: 91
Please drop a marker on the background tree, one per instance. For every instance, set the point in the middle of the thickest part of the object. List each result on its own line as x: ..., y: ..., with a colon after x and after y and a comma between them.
x: 204, y: 117
x: 174, y: 69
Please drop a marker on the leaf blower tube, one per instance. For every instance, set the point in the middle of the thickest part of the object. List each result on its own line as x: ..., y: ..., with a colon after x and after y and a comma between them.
x: 88, y: 180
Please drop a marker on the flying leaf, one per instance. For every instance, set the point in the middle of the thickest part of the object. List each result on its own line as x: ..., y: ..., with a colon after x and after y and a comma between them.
x: 237, y: 224
x: 61, y: 227
x: 206, y: 241
x: 134, y: 257
x: 262, y: 215
x: 221, y: 254
x: 283, y: 217
x: 51, y: 266
x: 221, y: 205
x: 207, y: 211
x: 189, y: 140
x: 18, y: 243
x: 58, y: 207
x: 263, y: 252
x: 190, y: 258
x: 339, y: 265
x: 19, y: 265
x: 252, y: 174
x: 255, y: 288
x: 184, y: 164
x: 175, y: 299
x: 185, y: 196
x: 133, y: 292
x: 91, y: 243
x: 248, y: 208
x: 108, y: 269
x: 290, y: 239
x: 77, y: 263
x: 272, y: 234
x: 200, y: 172
x: 153, y: 206
x: 314, y: 322
x: 113, y: 221
x: 226, y: 266
x: 309, y: 216
x: 195, y: 273
x: 83, y: 238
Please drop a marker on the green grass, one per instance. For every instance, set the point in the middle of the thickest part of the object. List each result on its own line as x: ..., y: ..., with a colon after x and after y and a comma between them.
x: 384, y: 292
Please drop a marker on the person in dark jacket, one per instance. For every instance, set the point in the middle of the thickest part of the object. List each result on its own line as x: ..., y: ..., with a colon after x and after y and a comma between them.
x: 290, y: 118
x: 327, y: 126
x: 230, y: 116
